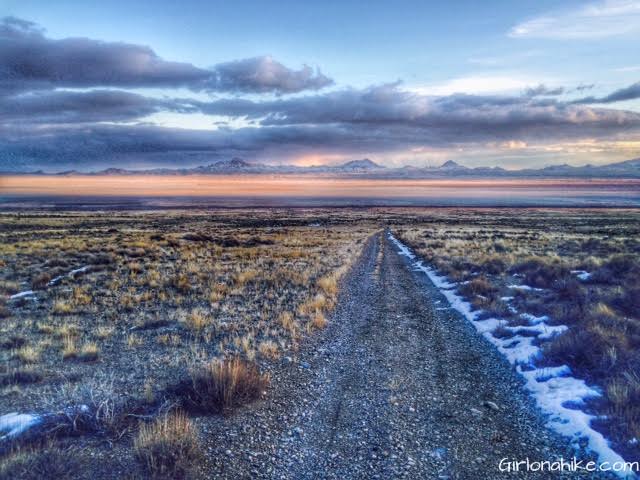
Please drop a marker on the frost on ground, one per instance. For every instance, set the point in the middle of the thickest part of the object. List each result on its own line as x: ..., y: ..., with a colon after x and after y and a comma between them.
x: 557, y: 393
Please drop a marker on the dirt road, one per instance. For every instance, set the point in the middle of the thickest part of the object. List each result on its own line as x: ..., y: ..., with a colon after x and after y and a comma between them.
x: 398, y: 386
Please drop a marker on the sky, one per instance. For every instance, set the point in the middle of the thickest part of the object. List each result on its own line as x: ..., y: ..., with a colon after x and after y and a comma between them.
x: 86, y: 85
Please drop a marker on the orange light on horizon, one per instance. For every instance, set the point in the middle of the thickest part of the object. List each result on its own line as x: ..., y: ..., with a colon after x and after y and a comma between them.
x: 302, y: 186
x: 314, y: 159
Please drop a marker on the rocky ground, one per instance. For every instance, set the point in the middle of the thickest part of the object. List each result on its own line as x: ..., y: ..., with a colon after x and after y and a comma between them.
x: 398, y: 386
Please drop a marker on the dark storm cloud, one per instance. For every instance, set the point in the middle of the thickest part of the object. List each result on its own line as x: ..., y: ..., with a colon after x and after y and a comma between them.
x: 542, y: 90
x: 628, y: 93
x: 63, y: 107
x: 95, y: 146
x: 29, y: 60
x: 389, y: 105
x: 90, y: 147
x: 264, y: 74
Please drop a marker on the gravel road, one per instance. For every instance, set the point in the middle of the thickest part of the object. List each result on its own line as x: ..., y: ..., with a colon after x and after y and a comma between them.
x: 398, y: 386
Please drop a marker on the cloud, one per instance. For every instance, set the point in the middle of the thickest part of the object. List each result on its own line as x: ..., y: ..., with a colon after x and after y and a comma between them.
x: 479, y: 84
x: 62, y: 107
x: 542, y: 90
x: 29, y: 60
x: 383, y: 118
x: 628, y: 93
x: 594, y: 20
x: 68, y: 104
x: 584, y: 87
x: 463, y: 115
x: 264, y: 74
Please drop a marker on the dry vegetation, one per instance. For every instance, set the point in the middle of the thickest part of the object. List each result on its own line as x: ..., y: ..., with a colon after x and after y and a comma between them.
x: 133, y: 314
x: 488, y: 250
x: 192, y: 310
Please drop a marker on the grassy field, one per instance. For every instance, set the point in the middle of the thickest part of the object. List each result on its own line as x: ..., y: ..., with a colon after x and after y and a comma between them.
x: 579, y: 268
x: 124, y: 327
x: 131, y: 315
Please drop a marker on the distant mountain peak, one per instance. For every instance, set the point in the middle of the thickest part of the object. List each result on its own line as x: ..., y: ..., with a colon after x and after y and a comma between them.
x: 235, y: 162
x: 450, y: 164
x: 363, y: 164
x: 370, y: 169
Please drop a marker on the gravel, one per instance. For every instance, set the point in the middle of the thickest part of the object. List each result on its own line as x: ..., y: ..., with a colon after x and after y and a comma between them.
x: 393, y: 388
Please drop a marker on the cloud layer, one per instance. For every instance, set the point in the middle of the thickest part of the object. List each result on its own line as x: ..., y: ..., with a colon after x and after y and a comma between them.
x: 76, y: 103
x: 29, y: 60
x: 594, y: 20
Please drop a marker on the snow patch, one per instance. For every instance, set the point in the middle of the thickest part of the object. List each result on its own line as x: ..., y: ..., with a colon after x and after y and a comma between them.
x: 71, y: 274
x: 558, y: 394
x: 13, y: 424
x: 525, y: 288
x: 581, y: 274
x: 27, y: 293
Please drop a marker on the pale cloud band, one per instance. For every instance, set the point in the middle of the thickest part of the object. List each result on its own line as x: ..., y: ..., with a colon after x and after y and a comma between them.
x: 594, y: 20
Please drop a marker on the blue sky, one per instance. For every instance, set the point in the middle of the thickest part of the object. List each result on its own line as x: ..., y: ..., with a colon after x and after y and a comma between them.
x: 457, y: 67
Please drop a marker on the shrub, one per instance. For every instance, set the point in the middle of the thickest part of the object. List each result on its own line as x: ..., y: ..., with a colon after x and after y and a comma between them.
x: 27, y: 354
x: 222, y: 384
x: 318, y: 321
x: 36, y: 464
x: 89, y: 352
x: 40, y: 280
x: 329, y: 285
x: 494, y: 265
x: 168, y: 446
x: 20, y: 377
x: 628, y: 301
x: 197, y: 320
x: 13, y: 342
x: 478, y: 286
x: 269, y: 349
x: 541, y: 272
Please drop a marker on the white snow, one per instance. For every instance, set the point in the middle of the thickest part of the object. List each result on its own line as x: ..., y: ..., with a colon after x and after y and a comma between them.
x: 78, y: 270
x: 541, y: 330
x: 558, y: 394
x: 13, y: 424
x: 71, y: 274
x: 525, y: 287
x: 533, y: 320
x: 581, y: 274
x: 27, y: 293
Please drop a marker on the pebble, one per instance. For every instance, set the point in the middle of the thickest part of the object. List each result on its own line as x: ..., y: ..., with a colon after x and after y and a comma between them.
x: 491, y: 405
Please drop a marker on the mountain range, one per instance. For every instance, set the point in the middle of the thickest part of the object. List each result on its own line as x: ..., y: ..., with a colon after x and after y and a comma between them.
x: 369, y: 169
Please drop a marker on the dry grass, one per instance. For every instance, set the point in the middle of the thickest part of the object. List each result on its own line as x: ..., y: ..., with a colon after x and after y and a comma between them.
x: 69, y: 348
x: 162, y: 291
x: 319, y: 321
x: 269, y: 349
x: 37, y: 463
x: 89, y: 352
x: 168, y: 447
x: 222, y: 384
x: 28, y: 354
x: 197, y: 320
